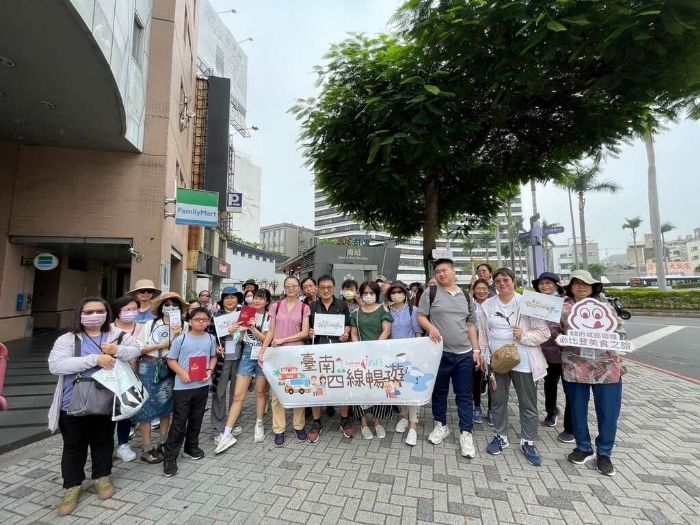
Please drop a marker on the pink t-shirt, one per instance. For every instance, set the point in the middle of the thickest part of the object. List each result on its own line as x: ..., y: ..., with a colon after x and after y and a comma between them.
x: 288, y: 323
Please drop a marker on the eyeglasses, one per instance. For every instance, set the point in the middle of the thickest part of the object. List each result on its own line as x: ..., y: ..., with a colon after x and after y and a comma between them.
x: 170, y: 303
x: 291, y: 287
x: 326, y: 288
x: 93, y: 312
x: 144, y: 291
x: 129, y: 309
x: 200, y: 320
x: 204, y: 295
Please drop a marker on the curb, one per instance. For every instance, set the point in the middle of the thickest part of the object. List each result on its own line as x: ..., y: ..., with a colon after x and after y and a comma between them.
x: 693, y: 314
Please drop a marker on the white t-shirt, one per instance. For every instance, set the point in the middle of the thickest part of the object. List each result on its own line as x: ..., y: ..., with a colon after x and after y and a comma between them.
x: 500, y: 319
x: 261, y: 320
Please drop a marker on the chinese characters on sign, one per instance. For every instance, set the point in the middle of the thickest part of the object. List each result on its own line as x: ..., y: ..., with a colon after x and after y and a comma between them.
x: 593, y: 325
x: 400, y: 371
x: 541, y: 306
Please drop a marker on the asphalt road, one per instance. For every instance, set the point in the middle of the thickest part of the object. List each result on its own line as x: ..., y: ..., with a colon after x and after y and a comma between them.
x: 668, y: 343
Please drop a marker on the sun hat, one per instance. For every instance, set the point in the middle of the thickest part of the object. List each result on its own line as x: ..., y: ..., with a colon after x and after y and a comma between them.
x: 144, y: 284
x: 556, y: 279
x: 231, y: 290
x: 380, y: 279
x: 396, y: 284
x: 586, y: 277
x: 169, y: 295
x: 251, y: 281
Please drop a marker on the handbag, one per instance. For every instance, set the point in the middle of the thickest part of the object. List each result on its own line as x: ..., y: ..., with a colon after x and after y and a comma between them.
x: 505, y: 358
x: 133, y: 394
x: 89, y: 397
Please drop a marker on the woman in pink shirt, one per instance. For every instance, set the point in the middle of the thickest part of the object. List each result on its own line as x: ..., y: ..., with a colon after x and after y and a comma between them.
x: 289, y: 326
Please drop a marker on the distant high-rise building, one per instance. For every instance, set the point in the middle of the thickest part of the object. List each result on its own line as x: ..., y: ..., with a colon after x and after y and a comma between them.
x: 286, y: 238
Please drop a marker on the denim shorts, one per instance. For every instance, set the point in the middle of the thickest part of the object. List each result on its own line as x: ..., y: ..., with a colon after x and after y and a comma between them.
x: 249, y: 367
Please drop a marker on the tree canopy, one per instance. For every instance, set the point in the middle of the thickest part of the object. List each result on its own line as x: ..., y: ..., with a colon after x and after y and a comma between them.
x: 469, y: 99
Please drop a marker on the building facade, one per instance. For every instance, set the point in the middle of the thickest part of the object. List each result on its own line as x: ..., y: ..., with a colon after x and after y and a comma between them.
x: 92, y: 164
x: 286, y: 238
x: 247, y: 180
x: 333, y: 226
x: 563, y: 256
x: 248, y: 262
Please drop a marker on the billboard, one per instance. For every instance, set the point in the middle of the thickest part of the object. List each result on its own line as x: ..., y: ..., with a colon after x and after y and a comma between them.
x: 197, y: 208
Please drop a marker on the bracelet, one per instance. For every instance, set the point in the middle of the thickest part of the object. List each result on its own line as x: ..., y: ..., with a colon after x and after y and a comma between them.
x: 476, y: 350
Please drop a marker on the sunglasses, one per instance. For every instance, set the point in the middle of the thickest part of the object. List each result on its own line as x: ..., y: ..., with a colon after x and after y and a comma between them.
x: 144, y: 291
x: 170, y: 303
x: 200, y: 320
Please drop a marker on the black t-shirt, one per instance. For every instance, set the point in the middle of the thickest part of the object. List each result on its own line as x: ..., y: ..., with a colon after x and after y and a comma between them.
x: 337, y: 307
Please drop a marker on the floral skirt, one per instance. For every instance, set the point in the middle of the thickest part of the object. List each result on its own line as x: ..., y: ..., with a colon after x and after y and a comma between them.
x: 160, y: 393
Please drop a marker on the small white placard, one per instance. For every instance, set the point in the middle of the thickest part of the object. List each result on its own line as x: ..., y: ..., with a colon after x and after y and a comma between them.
x: 329, y: 324
x: 222, y: 322
x: 175, y: 318
x: 541, y: 306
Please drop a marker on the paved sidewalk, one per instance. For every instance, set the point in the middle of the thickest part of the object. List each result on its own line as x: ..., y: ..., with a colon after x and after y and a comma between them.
x: 338, y: 480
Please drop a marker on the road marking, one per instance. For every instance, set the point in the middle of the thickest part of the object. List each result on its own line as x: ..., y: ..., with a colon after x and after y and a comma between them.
x: 652, y: 337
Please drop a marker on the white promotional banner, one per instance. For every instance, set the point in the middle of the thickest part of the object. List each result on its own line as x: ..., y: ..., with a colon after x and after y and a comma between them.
x: 391, y: 372
x: 541, y: 306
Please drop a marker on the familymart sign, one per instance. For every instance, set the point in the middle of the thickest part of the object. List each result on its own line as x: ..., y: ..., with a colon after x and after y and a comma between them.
x: 197, y: 208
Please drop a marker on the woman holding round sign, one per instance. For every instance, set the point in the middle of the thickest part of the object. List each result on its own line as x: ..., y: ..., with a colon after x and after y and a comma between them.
x: 155, y: 340
x: 592, y: 369
x: 512, y: 343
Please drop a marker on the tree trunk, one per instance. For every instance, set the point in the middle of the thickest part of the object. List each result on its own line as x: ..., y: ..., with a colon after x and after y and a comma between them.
x: 663, y: 252
x: 573, y: 229
x: 498, y: 242
x: 430, y: 227
x: 582, y: 221
x: 654, y: 216
x: 636, y: 252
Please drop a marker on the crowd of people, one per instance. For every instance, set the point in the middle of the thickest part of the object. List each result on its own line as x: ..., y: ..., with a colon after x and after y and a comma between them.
x: 161, y: 335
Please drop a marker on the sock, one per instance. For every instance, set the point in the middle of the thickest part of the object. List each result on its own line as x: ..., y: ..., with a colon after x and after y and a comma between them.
x: 228, y: 431
x: 259, y: 422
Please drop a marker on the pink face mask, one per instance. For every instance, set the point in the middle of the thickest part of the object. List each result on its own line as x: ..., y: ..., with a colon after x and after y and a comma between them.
x: 128, y: 316
x: 93, y: 321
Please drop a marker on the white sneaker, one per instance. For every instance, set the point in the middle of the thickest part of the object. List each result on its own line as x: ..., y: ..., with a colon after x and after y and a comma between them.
x: 125, y: 453
x: 379, y: 430
x: 237, y: 430
x: 217, y: 438
x: 259, y: 434
x: 401, y: 425
x: 439, y: 433
x: 466, y: 444
x: 225, y: 443
x: 412, y: 437
x: 367, y: 433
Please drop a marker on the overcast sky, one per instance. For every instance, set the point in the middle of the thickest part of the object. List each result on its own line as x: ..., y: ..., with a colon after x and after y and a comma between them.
x: 290, y: 38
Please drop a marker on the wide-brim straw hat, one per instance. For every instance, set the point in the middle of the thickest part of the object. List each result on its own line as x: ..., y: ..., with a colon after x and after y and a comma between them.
x: 169, y: 295
x: 586, y: 277
x: 144, y: 284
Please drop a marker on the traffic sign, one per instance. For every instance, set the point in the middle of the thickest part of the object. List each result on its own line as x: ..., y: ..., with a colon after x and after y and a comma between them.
x: 552, y: 230
x: 525, y: 236
x: 234, y: 202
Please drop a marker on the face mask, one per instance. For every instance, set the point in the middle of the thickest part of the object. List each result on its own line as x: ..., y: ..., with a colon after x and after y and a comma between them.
x: 93, y: 321
x: 249, y: 299
x: 129, y: 316
x: 167, y: 310
x: 369, y: 299
x: 398, y: 297
x: 348, y: 295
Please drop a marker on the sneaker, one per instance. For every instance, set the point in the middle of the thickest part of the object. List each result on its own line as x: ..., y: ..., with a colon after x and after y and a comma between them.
x: 237, y: 430
x: 379, y: 430
x: 161, y: 448
x: 170, y: 468
x: 412, y: 437
x: 330, y: 411
x: 477, y: 418
x: 279, y: 440
x: 347, y: 428
x: 195, y: 453
x: 367, y: 433
x: 579, y: 457
x: 551, y: 420
x: 497, y: 445
x: 531, y: 454
x: 259, y: 433
x: 466, y: 445
x: 484, y: 387
x: 491, y: 419
x: 604, y: 465
x: 565, y: 437
x: 225, y: 443
x: 104, y: 487
x: 315, y: 432
x: 132, y: 433
x: 125, y: 453
x: 217, y: 438
x: 70, y: 500
x: 155, y: 424
x: 151, y: 456
x: 439, y: 433
x: 401, y: 425
x: 301, y: 435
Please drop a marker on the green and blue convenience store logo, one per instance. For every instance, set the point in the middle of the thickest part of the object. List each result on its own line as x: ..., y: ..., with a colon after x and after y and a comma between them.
x: 197, y: 208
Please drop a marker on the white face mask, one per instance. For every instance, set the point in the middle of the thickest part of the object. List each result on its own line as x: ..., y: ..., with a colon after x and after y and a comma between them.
x: 398, y: 297
x: 249, y: 299
x: 369, y: 298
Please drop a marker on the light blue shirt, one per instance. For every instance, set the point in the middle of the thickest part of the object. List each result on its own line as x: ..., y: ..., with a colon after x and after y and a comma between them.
x: 405, y: 323
x: 189, y: 345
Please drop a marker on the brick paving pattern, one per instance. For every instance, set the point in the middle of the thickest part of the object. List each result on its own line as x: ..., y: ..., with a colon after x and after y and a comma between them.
x: 385, y: 482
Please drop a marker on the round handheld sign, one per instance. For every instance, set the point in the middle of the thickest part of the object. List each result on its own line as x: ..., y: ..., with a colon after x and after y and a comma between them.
x: 45, y: 261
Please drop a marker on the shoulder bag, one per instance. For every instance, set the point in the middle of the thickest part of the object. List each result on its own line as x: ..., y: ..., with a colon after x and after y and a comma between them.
x: 89, y: 397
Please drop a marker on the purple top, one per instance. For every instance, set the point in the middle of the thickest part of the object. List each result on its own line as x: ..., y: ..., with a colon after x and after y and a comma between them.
x: 405, y: 323
x: 89, y: 345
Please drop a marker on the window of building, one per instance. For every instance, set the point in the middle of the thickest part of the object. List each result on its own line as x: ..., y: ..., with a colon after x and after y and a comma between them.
x: 219, y: 61
x: 137, y: 39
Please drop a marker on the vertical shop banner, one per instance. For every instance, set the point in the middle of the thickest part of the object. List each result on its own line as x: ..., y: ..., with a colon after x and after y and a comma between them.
x: 392, y: 372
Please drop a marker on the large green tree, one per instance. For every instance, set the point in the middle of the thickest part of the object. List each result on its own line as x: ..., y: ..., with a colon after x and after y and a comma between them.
x: 472, y: 98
